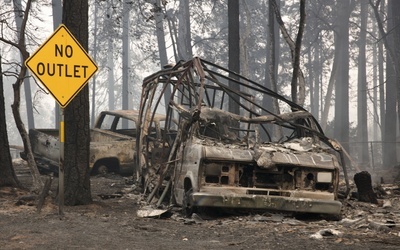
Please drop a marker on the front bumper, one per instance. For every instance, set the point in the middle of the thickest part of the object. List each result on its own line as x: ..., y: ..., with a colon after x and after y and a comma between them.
x: 266, y: 202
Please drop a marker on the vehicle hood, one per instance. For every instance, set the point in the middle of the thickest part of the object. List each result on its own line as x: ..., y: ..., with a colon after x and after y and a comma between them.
x: 297, y: 152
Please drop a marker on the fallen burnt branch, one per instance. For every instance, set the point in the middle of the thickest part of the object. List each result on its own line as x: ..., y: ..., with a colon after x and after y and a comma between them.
x: 44, y: 193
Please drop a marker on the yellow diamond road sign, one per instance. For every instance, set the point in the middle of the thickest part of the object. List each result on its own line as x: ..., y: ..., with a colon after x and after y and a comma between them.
x: 62, y: 65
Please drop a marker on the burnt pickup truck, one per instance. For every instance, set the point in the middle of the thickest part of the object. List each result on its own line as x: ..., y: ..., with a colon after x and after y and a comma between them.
x: 239, y: 145
x: 112, y: 143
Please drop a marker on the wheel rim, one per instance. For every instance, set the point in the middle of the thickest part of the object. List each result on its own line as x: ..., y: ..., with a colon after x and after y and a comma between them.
x: 188, y: 208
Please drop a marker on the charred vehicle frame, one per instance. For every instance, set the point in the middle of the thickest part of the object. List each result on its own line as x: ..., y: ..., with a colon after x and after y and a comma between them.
x: 230, y: 149
x: 111, y: 142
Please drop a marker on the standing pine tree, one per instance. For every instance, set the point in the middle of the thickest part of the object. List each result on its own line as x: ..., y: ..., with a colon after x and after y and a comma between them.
x: 77, y: 119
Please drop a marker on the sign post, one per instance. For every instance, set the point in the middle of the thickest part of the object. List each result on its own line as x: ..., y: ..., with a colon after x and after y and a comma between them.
x: 62, y: 65
x: 61, y: 166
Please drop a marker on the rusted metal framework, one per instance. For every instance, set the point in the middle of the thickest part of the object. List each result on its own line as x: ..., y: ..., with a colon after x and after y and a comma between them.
x: 199, y: 106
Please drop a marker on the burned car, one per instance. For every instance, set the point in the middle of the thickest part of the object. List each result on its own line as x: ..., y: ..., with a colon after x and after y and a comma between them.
x: 112, y: 143
x: 230, y: 150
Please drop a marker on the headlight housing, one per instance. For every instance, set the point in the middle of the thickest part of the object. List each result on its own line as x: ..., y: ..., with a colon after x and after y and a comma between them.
x: 324, y: 177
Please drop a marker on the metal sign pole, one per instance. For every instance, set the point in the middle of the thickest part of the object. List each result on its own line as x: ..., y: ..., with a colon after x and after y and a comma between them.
x: 74, y: 69
x: 61, y: 166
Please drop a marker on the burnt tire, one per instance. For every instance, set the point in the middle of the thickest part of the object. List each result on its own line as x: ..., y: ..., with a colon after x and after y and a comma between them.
x: 187, y: 205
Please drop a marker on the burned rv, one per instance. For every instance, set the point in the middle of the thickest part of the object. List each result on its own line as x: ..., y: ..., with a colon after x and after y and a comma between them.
x: 229, y: 142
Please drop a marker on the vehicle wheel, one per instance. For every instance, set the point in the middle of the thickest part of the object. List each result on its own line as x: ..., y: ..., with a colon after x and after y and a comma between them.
x: 187, y: 204
x: 102, y: 169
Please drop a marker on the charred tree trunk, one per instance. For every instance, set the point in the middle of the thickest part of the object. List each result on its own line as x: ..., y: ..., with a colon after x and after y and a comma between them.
x: 57, y: 16
x: 77, y: 132
x: 126, y: 102
x: 389, y: 149
x: 381, y: 84
x: 364, y: 187
x: 341, y: 122
x: 362, y: 113
x: 299, y: 98
x: 390, y: 123
x: 272, y: 62
x: 316, y: 107
x: 110, y: 58
x: 396, y: 37
x: 27, y: 86
x: 7, y: 173
x: 94, y: 83
x: 162, y: 49
x: 298, y: 82
x: 21, y: 46
x: 184, y: 39
x: 329, y: 91
x: 234, y: 51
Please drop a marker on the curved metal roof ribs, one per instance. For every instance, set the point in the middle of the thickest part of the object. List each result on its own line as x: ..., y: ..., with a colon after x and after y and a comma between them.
x: 200, y: 94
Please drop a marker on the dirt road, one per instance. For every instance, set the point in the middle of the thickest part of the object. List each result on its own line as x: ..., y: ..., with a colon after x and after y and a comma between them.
x: 111, y: 222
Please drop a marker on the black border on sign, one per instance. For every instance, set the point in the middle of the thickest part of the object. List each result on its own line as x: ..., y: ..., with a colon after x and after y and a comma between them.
x: 62, y: 26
